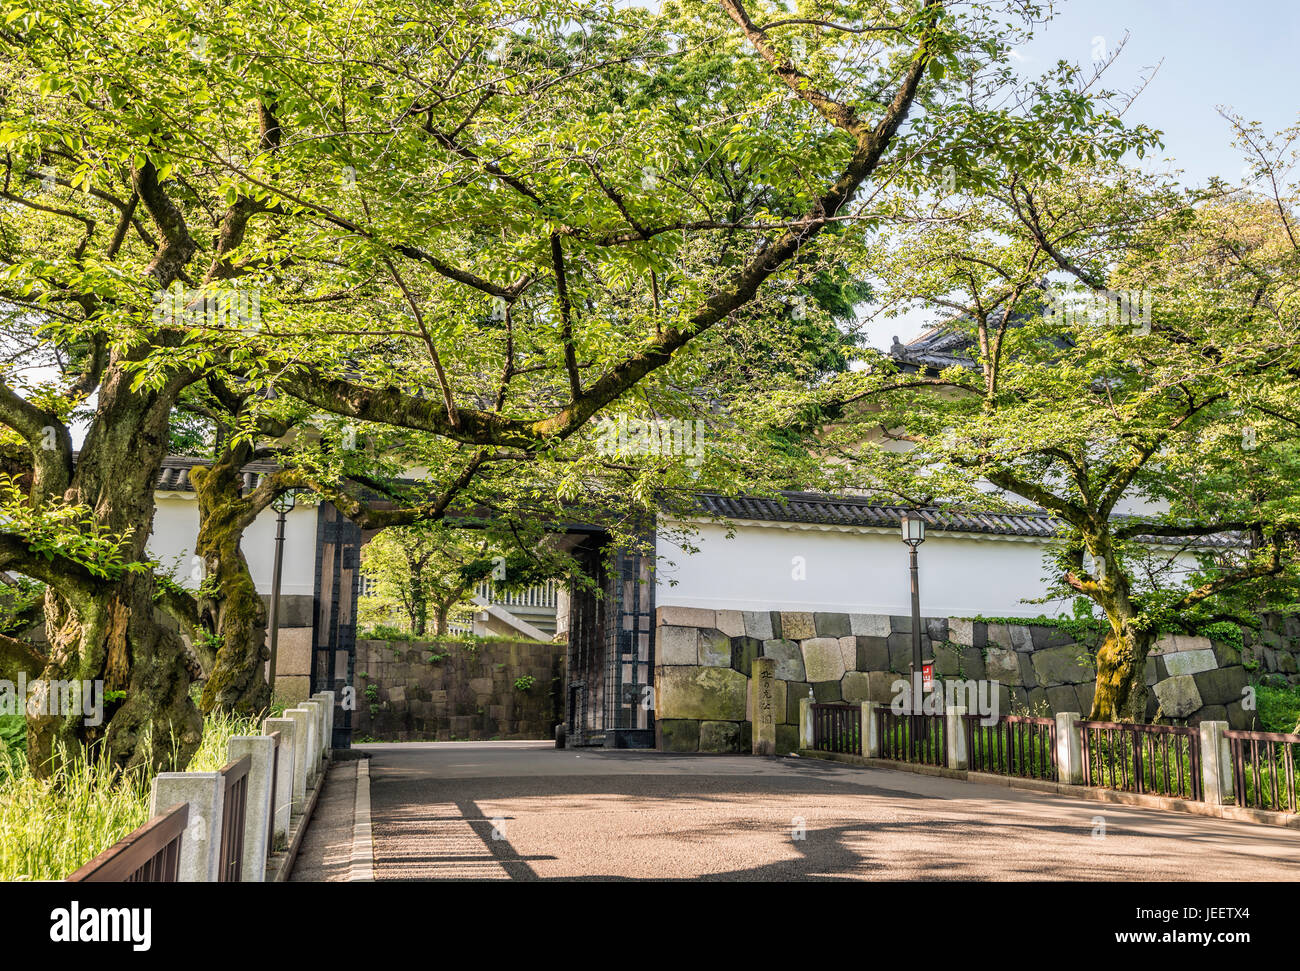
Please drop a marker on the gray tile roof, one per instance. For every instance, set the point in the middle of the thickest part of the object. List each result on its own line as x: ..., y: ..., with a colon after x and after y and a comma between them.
x: 828, y: 510
x: 174, y: 476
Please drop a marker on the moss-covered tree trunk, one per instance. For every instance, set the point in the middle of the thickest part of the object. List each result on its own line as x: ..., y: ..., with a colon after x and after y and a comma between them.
x: 231, y: 611
x: 106, y: 630
x: 1121, y: 675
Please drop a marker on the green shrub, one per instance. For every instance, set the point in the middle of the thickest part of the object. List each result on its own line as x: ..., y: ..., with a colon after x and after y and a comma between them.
x: 50, y: 827
x: 1278, y: 708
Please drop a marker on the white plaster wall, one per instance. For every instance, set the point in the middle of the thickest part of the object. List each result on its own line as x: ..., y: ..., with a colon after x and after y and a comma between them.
x: 859, y: 572
x: 176, y: 527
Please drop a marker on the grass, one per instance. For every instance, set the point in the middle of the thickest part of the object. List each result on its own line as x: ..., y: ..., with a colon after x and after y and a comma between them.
x: 50, y: 827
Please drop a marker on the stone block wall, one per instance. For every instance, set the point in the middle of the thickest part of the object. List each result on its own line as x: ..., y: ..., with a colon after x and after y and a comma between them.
x: 704, y: 657
x: 449, y: 690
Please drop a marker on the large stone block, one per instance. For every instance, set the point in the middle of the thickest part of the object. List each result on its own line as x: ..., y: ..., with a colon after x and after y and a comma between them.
x: 677, y: 645
x: 1178, y: 696
x: 758, y: 623
x: 1240, y: 718
x: 822, y: 659
x: 788, y: 657
x: 1002, y: 665
x: 1045, y: 637
x: 900, y: 652
x: 730, y: 622
x: 797, y: 625
x: 999, y: 635
x: 947, y: 660
x: 1027, y: 676
x: 872, y: 653
x: 972, y: 664
x: 900, y: 624
x: 869, y: 625
x: 686, y: 617
x: 1221, y: 686
x: 1085, y: 692
x: 679, y: 735
x: 715, y: 649
x: 787, y: 739
x: 1063, y: 665
x: 827, y: 692
x: 961, y: 630
x: 795, y: 691
x: 936, y: 628
x: 743, y: 652
x: 1062, y: 697
x: 855, y: 686
x: 1286, y: 663
x: 701, y: 693
x: 1210, y: 713
x: 849, y: 652
x: 1022, y: 639
x: 1189, y: 662
x: 720, y: 736
x: 831, y: 625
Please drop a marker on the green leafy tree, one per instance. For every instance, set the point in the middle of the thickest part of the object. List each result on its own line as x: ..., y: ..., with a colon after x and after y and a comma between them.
x: 464, y: 235
x: 1132, y: 363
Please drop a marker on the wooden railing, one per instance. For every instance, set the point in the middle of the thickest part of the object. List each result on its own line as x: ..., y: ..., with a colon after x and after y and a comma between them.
x: 837, y: 728
x: 151, y: 854
x: 1013, y: 745
x: 1264, y: 769
x: 1163, y: 760
x: 234, y: 807
x: 912, y: 738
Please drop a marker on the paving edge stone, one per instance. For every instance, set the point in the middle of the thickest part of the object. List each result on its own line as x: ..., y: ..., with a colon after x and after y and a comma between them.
x: 283, y: 868
x: 1139, y: 800
x: 363, y: 846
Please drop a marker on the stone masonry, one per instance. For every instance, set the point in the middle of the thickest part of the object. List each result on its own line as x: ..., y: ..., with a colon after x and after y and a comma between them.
x: 704, y: 659
x: 446, y: 690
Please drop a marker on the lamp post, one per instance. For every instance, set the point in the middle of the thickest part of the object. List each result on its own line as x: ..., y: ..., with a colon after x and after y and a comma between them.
x: 281, y: 504
x: 913, y: 528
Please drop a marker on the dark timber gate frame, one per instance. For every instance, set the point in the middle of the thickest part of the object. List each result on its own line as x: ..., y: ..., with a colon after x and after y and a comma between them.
x: 334, y: 620
x: 610, y: 690
x: 609, y: 697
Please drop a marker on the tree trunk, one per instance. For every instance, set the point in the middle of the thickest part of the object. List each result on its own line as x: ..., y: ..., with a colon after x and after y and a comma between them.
x: 419, y: 611
x: 1121, y: 694
x: 107, y: 630
x: 230, y: 607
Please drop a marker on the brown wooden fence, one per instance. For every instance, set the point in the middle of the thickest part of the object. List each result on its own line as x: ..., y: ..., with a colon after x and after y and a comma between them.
x: 234, y: 809
x: 912, y: 738
x: 1163, y: 760
x: 837, y: 728
x: 1013, y: 745
x: 151, y: 854
x: 1264, y: 769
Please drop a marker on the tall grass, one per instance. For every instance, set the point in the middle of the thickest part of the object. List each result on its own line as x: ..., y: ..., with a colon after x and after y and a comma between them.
x: 50, y: 827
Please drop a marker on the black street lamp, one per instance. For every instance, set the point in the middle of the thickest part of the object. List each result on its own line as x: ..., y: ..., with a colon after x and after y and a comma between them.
x: 282, y: 504
x: 913, y: 528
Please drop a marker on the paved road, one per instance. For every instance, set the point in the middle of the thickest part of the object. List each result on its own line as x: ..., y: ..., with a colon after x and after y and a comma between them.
x: 527, y: 811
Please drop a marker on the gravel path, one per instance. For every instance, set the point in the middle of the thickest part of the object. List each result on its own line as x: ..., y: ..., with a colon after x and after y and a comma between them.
x: 527, y: 811
x: 326, y: 851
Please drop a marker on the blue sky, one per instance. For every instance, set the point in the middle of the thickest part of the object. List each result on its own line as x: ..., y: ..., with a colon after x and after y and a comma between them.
x: 1244, y: 56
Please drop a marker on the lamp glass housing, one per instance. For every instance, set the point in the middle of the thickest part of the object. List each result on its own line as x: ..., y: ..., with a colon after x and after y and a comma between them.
x: 284, y: 501
x: 913, y: 529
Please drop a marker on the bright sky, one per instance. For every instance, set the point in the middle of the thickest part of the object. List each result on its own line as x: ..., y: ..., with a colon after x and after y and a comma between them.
x: 1243, y: 56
